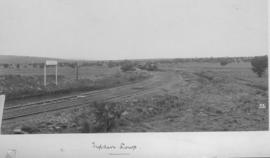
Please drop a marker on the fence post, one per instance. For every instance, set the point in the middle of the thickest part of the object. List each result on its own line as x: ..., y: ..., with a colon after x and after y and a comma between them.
x: 45, y: 74
x: 56, y: 78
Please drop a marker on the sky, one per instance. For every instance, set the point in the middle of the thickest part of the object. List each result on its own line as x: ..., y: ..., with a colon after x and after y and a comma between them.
x: 133, y: 29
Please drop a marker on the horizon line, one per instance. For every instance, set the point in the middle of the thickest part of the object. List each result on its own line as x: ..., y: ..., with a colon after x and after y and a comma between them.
x: 160, y: 58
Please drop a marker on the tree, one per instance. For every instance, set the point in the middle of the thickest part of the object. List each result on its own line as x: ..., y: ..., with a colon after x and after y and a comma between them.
x: 259, y: 65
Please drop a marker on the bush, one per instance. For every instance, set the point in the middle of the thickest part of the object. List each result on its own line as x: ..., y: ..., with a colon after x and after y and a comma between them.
x: 73, y: 65
x: 224, y: 62
x: 127, y: 66
x: 106, y: 116
x: 6, y: 65
x: 41, y: 65
x: 149, y: 67
x: 259, y: 65
x: 99, y: 117
x: 111, y: 64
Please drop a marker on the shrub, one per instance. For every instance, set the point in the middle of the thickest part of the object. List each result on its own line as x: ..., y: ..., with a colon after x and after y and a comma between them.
x: 111, y: 64
x: 127, y: 66
x: 83, y: 124
x: 224, y: 62
x: 41, y: 65
x: 106, y: 116
x: 149, y: 67
x: 35, y: 65
x: 99, y: 117
x: 73, y: 65
x: 259, y: 65
x: 6, y: 65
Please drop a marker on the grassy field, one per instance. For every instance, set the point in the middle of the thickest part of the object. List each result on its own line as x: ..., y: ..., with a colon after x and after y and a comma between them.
x: 93, y: 72
x: 28, y: 82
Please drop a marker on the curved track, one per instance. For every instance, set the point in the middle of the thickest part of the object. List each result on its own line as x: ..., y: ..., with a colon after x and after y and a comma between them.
x: 157, y: 81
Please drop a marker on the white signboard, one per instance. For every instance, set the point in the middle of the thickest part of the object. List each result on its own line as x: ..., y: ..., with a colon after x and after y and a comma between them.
x: 48, y: 63
x: 51, y: 62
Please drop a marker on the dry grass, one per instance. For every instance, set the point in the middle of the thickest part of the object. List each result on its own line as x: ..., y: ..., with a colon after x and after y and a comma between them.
x: 24, y: 86
x: 93, y: 72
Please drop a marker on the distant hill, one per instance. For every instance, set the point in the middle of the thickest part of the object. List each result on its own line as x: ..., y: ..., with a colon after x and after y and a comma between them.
x: 11, y: 59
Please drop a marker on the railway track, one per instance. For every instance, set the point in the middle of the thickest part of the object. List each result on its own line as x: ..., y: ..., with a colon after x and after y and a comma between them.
x: 58, y: 100
x: 82, y: 99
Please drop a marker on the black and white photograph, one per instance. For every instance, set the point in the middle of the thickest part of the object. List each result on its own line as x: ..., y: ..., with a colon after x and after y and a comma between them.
x: 133, y: 66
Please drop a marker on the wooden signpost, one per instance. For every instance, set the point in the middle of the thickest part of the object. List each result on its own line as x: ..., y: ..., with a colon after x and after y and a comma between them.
x: 50, y: 63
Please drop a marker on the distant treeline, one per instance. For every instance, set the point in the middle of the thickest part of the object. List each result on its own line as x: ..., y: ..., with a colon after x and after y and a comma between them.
x: 41, y: 65
x: 208, y: 60
x: 114, y: 63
